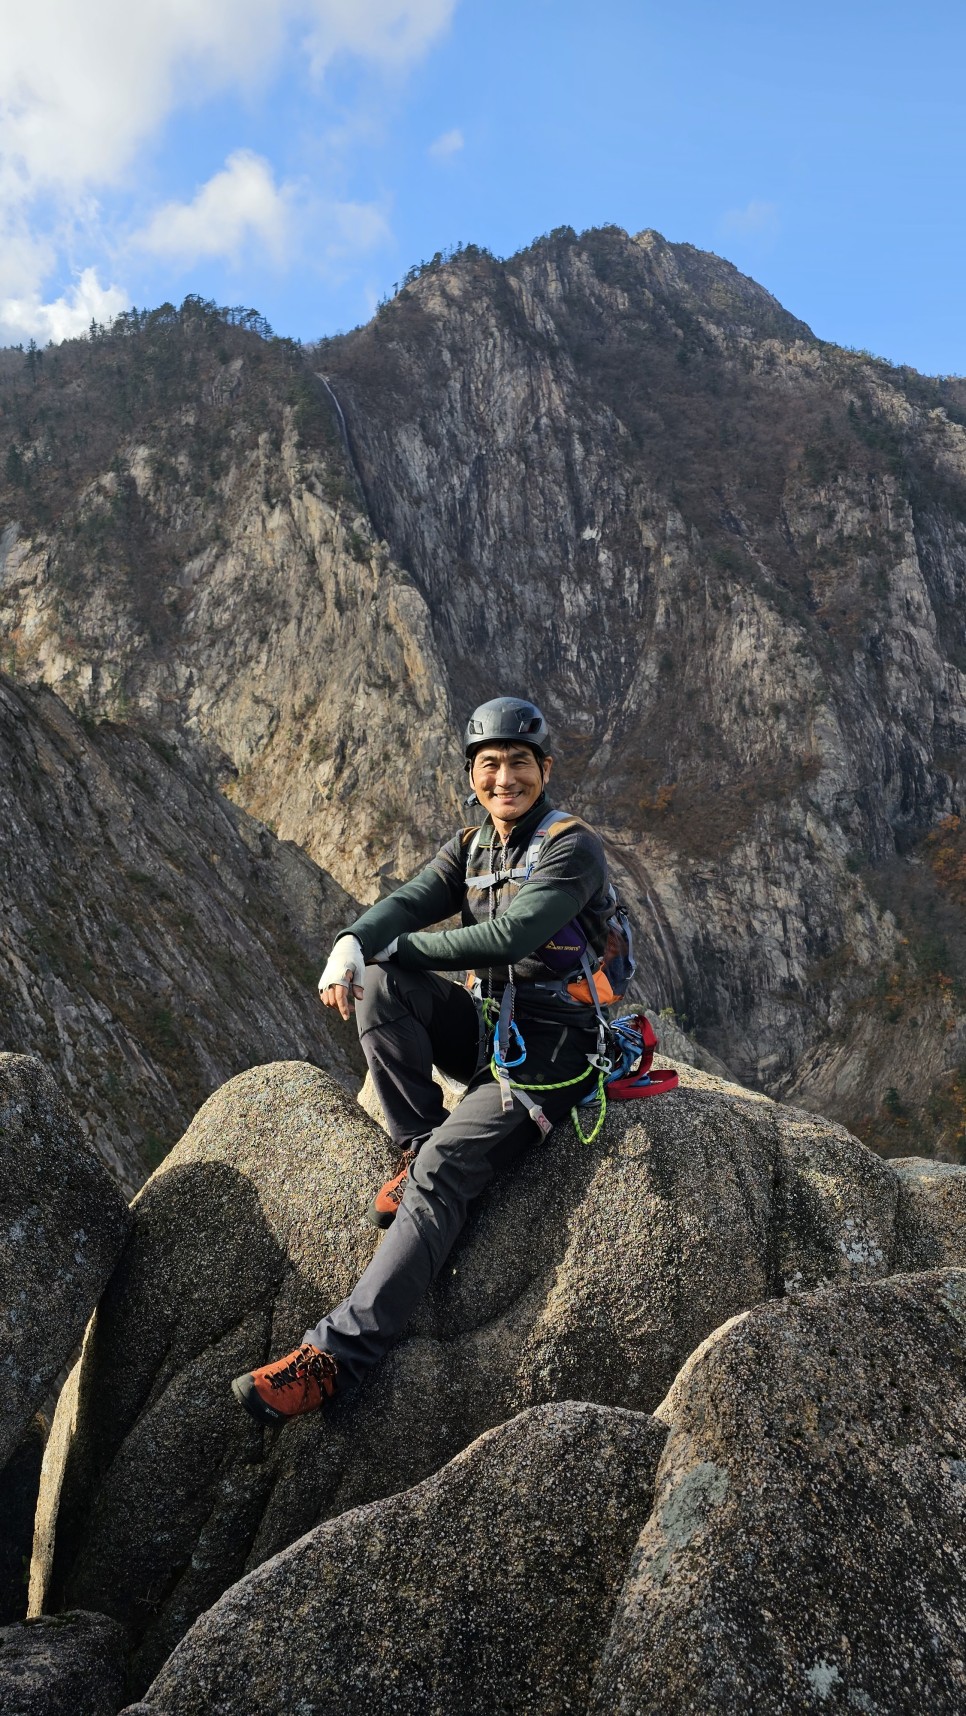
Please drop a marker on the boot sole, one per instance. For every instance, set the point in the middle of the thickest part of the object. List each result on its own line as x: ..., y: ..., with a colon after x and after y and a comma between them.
x: 247, y: 1395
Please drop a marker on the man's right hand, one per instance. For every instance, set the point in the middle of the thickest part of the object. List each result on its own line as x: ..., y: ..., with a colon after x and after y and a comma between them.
x: 341, y: 982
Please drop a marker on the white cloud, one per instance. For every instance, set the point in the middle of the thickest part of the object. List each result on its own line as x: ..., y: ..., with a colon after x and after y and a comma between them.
x: 237, y: 205
x: 25, y: 257
x: 26, y: 261
x: 84, y: 89
x: 352, y: 228
x: 756, y: 220
x: 393, y: 33
x: 87, y: 301
x: 450, y: 143
x: 242, y: 205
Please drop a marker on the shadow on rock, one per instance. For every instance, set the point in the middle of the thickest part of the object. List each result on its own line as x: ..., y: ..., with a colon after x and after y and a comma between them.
x: 62, y: 1665
x: 62, y: 1225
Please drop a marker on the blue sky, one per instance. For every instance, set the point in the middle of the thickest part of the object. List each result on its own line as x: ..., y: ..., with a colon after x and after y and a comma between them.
x: 299, y: 155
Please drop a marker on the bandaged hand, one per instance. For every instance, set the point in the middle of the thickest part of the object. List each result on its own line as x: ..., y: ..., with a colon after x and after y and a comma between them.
x: 341, y: 982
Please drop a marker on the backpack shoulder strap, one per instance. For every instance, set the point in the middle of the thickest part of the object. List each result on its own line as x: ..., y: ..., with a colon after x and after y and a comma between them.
x: 549, y: 823
x: 474, y: 849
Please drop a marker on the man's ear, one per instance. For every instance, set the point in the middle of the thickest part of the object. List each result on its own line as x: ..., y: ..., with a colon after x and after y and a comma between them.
x: 547, y: 766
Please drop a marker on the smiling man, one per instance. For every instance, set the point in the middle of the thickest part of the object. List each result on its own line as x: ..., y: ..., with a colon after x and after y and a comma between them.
x: 533, y: 894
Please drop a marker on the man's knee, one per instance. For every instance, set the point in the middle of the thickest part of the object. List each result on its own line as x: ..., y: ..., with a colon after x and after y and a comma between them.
x: 442, y: 1184
x: 458, y: 1162
x: 389, y: 994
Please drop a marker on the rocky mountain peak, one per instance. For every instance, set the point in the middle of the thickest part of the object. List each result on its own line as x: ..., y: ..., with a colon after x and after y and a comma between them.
x: 727, y: 558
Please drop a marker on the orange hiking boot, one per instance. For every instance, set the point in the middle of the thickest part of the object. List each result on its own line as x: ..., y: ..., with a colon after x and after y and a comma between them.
x: 382, y: 1210
x: 297, y: 1383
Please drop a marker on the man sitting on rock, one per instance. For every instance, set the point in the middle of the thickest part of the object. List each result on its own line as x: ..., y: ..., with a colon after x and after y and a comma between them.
x: 533, y: 893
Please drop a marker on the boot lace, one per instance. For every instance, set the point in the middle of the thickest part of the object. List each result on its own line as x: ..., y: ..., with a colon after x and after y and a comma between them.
x: 306, y: 1362
x: 397, y: 1192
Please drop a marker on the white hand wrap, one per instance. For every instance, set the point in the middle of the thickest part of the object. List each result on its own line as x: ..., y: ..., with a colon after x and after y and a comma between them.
x: 346, y: 956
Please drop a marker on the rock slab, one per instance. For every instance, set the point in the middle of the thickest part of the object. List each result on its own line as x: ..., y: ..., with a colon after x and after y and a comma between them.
x: 487, y: 1588
x: 62, y: 1226
x: 62, y: 1665
x: 586, y: 1273
x: 807, y: 1549
x: 802, y: 1546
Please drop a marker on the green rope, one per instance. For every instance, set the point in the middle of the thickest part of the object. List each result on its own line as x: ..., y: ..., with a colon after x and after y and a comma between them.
x: 518, y: 1084
x: 588, y: 1137
x: 565, y: 1084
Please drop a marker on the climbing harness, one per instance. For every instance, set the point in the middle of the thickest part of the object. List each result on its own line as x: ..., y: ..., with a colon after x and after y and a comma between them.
x: 566, y: 954
x: 625, y: 1046
x: 626, y: 1078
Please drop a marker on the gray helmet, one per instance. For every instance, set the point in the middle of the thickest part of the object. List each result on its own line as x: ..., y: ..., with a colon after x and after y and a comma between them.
x: 504, y: 719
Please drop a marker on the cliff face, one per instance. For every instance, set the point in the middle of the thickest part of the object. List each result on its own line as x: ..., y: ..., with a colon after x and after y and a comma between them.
x: 198, y: 562
x: 728, y: 560
x: 154, y: 939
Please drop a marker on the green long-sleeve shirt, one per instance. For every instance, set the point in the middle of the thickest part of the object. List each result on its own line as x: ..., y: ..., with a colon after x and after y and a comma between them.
x: 504, y: 925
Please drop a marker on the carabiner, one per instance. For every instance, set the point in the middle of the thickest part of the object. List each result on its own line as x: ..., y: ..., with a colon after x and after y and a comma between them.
x: 501, y: 1059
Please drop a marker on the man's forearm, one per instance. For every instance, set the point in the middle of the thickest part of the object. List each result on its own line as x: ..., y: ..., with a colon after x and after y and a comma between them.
x: 534, y: 916
x: 424, y: 900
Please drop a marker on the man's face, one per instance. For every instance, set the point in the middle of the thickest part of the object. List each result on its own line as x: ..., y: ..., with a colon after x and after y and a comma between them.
x: 508, y: 780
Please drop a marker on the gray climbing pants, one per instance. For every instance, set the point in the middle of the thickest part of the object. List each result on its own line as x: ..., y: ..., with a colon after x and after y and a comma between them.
x: 409, y: 1021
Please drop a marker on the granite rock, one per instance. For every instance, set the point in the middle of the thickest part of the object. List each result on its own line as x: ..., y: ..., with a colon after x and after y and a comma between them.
x: 19, y: 1488
x: 589, y: 1272
x: 154, y: 939
x: 62, y: 1665
x: 487, y: 1588
x: 932, y: 1210
x: 807, y: 1548
x: 62, y: 1226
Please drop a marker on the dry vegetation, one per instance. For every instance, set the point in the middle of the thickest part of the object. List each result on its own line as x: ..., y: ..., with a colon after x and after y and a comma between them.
x: 168, y: 378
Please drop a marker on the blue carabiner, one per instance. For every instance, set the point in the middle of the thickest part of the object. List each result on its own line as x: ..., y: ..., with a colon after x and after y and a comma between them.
x: 521, y: 1057
x: 630, y: 1045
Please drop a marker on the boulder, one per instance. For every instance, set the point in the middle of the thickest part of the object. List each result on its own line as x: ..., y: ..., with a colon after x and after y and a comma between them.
x: 802, y: 1546
x: 62, y: 1665
x: 62, y: 1226
x: 250, y: 1226
x: 19, y: 1486
x: 807, y: 1548
x: 589, y: 1272
x: 488, y: 1587
x: 932, y: 1211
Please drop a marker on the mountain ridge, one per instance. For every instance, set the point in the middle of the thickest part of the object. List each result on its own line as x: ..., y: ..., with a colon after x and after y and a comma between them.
x: 728, y: 558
